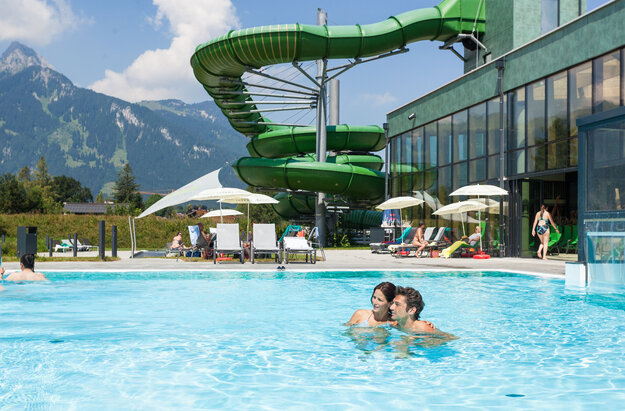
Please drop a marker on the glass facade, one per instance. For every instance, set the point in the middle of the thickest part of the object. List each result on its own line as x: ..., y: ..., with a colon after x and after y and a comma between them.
x: 541, y: 135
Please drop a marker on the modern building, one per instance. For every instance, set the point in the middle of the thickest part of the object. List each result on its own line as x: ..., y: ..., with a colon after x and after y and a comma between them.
x: 543, y: 71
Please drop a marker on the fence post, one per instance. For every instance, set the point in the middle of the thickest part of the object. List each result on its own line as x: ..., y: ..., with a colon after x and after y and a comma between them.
x: 114, y: 241
x: 101, y: 248
x: 75, y: 249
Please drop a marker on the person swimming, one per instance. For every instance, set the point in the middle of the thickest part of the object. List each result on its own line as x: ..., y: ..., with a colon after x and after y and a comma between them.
x: 381, y: 299
x: 27, y: 273
x: 406, y: 309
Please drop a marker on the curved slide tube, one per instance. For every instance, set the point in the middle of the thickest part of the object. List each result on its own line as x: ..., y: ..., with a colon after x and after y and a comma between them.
x: 219, y: 64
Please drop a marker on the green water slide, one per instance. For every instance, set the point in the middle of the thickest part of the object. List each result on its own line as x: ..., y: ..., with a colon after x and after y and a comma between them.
x: 276, y: 151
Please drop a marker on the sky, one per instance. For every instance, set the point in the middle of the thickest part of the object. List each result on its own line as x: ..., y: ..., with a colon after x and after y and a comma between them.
x: 140, y: 49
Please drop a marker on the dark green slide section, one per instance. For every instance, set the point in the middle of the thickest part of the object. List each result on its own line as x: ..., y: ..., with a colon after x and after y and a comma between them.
x: 219, y: 64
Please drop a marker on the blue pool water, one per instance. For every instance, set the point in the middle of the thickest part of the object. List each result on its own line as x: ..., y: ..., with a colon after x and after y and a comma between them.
x: 219, y: 340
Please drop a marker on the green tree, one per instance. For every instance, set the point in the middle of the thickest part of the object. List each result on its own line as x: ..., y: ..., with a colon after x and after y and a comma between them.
x: 42, y: 177
x: 63, y: 188
x: 15, y: 198
x: 24, y: 175
x: 99, y: 198
x: 126, y: 190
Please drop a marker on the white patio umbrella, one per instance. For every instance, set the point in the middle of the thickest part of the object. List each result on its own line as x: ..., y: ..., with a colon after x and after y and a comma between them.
x: 461, y: 207
x: 221, y: 213
x: 251, y: 198
x: 480, y: 190
x: 399, y: 203
x: 219, y: 194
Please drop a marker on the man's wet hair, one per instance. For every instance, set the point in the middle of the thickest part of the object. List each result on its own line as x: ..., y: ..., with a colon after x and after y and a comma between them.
x: 28, y: 261
x: 421, y: 223
x: 413, y: 299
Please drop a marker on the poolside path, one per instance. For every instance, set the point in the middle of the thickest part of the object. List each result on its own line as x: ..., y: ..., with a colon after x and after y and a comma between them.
x: 336, y: 260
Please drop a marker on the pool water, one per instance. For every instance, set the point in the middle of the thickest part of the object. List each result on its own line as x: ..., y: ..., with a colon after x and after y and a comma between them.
x: 275, y: 340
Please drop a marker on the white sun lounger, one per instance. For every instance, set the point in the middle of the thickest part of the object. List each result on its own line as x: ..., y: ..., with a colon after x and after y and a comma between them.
x: 227, y: 241
x: 298, y: 245
x: 264, y: 236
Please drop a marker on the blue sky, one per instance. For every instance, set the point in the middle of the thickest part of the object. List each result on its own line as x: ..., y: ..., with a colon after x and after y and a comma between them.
x: 139, y: 49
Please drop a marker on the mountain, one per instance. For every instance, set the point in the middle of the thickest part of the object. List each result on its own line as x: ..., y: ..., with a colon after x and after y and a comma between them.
x: 90, y: 136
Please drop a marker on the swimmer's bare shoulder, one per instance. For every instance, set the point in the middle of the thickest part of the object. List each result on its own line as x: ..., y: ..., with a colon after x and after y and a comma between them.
x: 358, y: 317
x: 22, y: 276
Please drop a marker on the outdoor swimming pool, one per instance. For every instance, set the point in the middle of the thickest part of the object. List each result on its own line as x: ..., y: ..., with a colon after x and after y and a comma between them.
x: 189, y: 340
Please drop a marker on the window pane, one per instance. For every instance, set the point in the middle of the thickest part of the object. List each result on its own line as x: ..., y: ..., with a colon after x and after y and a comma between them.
x: 460, y: 143
x: 493, y: 126
x: 417, y: 148
x: 517, y: 113
x: 432, y: 145
x: 517, y: 162
x: 477, y: 132
x: 573, y: 152
x: 536, y: 158
x: 548, y: 15
x: 556, y: 107
x: 557, y: 155
x: 493, y: 167
x: 580, y: 94
x: 444, y: 184
x: 477, y: 170
x: 606, y: 168
x: 536, y: 113
x: 444, y: 141
x: 461, y: 177
x: 606, y: 82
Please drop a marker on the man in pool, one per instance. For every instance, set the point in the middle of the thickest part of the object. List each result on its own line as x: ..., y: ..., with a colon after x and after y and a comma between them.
x: 406, y: 308
x: 27, y: 264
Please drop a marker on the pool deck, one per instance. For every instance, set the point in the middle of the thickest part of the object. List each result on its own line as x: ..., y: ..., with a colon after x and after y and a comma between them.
x: 336, y: 260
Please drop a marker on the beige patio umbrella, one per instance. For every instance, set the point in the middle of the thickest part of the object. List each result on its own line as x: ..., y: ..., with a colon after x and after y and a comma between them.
x: 219, y: 194
x: 222, y: 213
x: 399, y: 203
x: 461, y: 207
x: 250, y: 198
x: 480, y: 190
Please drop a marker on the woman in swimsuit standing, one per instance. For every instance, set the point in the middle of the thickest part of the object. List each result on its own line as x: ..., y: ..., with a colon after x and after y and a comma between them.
x: 381, y: 299
x: 541, y: 227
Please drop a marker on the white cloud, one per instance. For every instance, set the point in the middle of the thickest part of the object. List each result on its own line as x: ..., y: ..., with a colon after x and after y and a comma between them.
x: 35, y: 21
x: 379, y: 100
x: 166, y: 73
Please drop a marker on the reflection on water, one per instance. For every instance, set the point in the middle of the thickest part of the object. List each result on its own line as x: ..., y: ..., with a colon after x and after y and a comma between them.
x: 403, y: 345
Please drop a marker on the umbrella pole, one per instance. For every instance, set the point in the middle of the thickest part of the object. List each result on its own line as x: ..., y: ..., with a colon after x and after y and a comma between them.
x: 462, y: 219
x: 247, y: 233
x: 221, y: 214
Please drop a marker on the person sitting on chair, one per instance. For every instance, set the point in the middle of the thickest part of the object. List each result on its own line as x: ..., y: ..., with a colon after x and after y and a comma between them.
x: 204, y: 241
x: 177, y: 243
x: 419, y: 240
x: 470, y: 241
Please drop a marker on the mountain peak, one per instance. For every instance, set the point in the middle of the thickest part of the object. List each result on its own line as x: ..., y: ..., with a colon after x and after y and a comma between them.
x: 17, y: 57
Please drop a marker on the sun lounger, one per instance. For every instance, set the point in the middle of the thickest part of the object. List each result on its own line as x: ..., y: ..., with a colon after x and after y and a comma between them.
x: 264, y: 236
x: 63, y: 246
x: 403, y: 250
x: 298, y: 245
x: 227, y: 242
x: 382, y: 247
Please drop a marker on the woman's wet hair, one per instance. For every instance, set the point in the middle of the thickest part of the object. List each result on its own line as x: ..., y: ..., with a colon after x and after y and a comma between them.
x: 388, y: 289
x: 28, y: 261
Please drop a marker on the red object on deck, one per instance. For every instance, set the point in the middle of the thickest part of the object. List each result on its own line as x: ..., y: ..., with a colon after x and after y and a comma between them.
x: 481, y: 256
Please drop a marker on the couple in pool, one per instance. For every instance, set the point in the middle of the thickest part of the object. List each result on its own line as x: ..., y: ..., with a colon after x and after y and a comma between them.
x: 399, y: 307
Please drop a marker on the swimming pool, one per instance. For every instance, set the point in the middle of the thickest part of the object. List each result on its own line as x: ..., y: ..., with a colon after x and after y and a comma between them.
x: 214, y: 340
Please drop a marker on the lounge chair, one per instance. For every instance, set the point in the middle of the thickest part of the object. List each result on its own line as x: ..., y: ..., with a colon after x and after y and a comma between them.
x: 63, y: 246
x: 403, y: 250
x: 382, y: 247
x: 87, y: 244
x: 298, y: 245
x: 264, y: 241
x: 438, y: 241
x: 227, y: 242
x: 405, y: 244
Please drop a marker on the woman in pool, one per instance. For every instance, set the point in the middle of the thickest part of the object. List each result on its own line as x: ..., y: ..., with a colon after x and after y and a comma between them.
x: 541, y: 227
x: 381, y: 300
